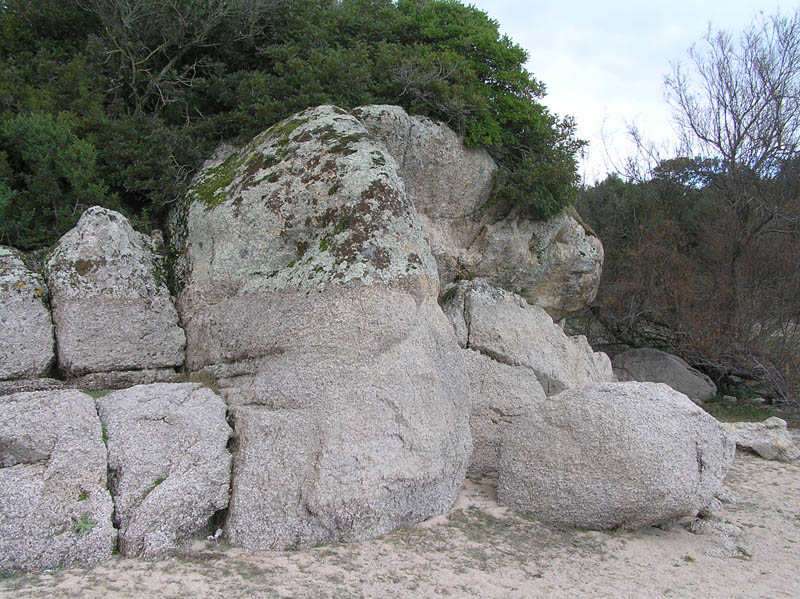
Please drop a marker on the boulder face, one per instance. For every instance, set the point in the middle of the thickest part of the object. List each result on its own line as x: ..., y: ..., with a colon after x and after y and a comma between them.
x: 646, y: 364
x: 613, y: 455
x: 500, y: 395
x: 111, y: 311
x: 310, y: 292
x: 555, y: 264
x: 769, y: 439
x: 168, y: 463
x: 26, y: 344
x: 55, y: 510
x: 503, y: 326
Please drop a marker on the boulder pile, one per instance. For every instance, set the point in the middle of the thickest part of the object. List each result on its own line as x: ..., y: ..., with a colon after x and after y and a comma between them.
x: 367, y: 335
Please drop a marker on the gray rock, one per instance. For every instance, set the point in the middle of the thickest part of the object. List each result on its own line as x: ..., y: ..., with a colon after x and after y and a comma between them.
x: 27, y: 385
x: 554, y: 264
x: 26, y: 344
x: 310, y: 204
x: 103, y: 381
x: 613, y: 455
x: 55, y: 510
x: 111, y: 310
x: 447, y: 182
x: 503, y: 326
x: 500, y: 395
x: 310, y: 293
x: 656, y: 366
x: 769, y: 439
x: 168, y: 463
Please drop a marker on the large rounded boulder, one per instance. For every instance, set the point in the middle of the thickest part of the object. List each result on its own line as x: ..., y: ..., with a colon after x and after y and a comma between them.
x: 614, y: 455
x: 656, y: 366
x: 310, y: 293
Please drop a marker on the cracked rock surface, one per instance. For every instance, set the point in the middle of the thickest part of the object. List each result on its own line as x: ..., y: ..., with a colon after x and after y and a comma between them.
x: 168, y: 463
x: 55, y: 510
x: 111, y: 311
x: 310, y: 292
x: 26, y: 342
x: 554, y: 264
x: 505, y: 327
x: 614, y: 455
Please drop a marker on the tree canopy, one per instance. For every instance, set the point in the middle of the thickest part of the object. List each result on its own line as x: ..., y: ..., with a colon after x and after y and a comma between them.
x: 702, y: 253
x: 147, y: 89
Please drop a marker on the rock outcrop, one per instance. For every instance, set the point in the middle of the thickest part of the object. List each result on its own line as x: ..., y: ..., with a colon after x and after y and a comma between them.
x: 26, y: 343
x: 503, y: 326
x: 656, y: 366
x: 500, y: 394
x: 310, y: 292
x: 614, y: 455
x: 555, y: 264
x: 55, y: 510
x: 769, y: 439
x: 350, y: 395
x: 168, y: 464
x: 111, y: 312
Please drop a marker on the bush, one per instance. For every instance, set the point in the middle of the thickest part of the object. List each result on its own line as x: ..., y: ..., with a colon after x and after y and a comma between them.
x: 47, y: 178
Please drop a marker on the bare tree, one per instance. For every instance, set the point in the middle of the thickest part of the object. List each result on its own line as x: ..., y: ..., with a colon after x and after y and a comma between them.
x: 738, y: 103
x: 148, y: 41
x: 739, y: 100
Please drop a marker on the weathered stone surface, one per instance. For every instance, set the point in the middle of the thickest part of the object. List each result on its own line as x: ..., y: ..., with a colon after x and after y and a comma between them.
x: 310, y: 293
x: 27, y: 385
x: 353, y: 437
x: 168, y: 463
x: 653, y: 365
x: 103, y: 381
x: 26, y: 342
x: 612, y: 455
x: 500, y: 394
x: 505, y: 327
x: 769, y: 439
x: 111, y: 312
x: 447, y: 182
x: 55, y: 510
x: 554, y: 264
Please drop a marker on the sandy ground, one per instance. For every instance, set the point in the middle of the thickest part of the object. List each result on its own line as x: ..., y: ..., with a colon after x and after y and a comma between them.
x: 748, y: 549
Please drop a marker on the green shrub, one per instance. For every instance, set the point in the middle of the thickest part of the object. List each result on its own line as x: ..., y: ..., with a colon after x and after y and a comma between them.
x: 48, y: 178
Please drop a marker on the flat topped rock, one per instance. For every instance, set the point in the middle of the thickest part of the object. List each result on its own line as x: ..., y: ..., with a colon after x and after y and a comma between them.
x: 55, y: 510
x: 168, y: 463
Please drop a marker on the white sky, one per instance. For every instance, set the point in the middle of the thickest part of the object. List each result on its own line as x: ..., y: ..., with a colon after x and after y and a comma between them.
x: 604, y: 62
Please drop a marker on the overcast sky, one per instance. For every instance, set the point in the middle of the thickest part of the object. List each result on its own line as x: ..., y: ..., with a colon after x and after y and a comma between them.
x: 604, y: 62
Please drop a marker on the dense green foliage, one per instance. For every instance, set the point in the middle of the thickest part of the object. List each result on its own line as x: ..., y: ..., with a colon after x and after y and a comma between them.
x: 150, y: 88
x: 47, y: 178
